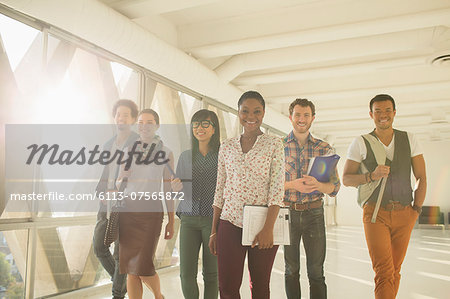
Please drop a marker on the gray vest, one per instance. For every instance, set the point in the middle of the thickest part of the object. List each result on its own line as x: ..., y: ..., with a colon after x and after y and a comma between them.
x: 398, y: 185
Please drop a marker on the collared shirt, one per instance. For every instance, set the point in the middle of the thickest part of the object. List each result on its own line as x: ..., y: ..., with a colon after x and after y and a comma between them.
x: 297, y: 162
x: 253, y: 178
x: 198, y: 195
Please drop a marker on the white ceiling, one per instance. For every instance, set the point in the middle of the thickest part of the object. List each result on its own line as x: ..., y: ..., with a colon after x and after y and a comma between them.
x: 337, y: 53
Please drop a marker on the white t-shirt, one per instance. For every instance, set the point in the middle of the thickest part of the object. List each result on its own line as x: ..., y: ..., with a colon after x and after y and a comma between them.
x: 358, y: 151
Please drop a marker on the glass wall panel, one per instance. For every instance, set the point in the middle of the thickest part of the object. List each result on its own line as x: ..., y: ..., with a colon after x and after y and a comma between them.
x: 86, y: 83
x: 65, y: 260
x: 166, y: 101
x: 190, y: 105
x: 126, y: 80
x: 229, y: 122
x: 64, y: 85
x: 13, y: 253
x: 81, y: 87
x: 20, y: 66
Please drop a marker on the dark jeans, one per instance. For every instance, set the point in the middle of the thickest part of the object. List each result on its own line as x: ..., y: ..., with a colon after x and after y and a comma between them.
x: 310, y: 225
x: 108, y: 261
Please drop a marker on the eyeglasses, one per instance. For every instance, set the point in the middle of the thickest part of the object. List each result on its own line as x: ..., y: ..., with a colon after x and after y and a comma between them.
x: 204, y: 123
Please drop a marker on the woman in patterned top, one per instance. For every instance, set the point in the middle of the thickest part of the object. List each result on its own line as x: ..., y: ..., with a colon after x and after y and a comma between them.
x: 250, y: 171
x: 195, y: 212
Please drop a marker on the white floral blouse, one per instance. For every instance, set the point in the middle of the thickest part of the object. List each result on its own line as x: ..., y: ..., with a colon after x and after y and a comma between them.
x: 254, y: 178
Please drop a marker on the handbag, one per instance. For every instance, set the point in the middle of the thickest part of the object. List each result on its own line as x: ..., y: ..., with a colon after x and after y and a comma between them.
x: 112, y: 228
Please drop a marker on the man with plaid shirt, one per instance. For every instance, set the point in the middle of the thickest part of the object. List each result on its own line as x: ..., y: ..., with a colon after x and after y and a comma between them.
x: 304, y: 197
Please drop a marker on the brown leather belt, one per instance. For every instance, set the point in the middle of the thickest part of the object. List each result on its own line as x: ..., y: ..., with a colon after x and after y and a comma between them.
x: 391, y: 206
x: 306, y: 206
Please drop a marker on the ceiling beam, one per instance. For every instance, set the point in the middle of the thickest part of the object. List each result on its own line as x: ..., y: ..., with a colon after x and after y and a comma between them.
x: 160, y: 27
x: 439, y: 89
x: 324, y: 34
x: 206, y: 26
x: 412, y: 42
x: 371, y: 79
x: 328, y: 72
x: 137, y: 9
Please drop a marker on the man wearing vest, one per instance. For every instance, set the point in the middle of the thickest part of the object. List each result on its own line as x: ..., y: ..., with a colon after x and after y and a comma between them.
x: 379, y: 164
x: 307, y: 218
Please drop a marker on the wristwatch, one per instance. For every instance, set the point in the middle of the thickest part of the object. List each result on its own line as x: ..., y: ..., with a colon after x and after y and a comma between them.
x: 417, y: 209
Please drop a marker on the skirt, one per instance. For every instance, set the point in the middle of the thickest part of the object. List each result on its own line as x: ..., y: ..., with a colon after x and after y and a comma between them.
x: 138, y: 237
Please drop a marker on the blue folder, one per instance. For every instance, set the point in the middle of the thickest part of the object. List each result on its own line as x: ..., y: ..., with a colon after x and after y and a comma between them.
x: 323, y: 167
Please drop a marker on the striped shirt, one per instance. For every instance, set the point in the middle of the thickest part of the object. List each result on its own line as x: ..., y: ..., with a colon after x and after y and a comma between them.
x: 297, y: 162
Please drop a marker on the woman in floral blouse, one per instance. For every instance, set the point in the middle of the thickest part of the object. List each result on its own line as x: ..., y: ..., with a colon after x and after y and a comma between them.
x: 250, y: 171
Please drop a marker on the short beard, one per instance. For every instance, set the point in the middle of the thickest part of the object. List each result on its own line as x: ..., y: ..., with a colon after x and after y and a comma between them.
x: 305, y: 128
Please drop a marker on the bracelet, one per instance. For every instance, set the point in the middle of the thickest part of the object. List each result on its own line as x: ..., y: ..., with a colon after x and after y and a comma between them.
x: 212, y: 235
x: 366, y: 175
x: 370, y: 176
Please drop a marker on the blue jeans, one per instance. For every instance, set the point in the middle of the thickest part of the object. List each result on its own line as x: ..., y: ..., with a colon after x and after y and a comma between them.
x: 310, y: 225
x: 108, y: 261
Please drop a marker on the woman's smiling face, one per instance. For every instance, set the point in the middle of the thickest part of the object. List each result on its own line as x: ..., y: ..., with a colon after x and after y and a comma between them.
x: 251, y: 114
x: 147, y: 125
x: 201, y: 133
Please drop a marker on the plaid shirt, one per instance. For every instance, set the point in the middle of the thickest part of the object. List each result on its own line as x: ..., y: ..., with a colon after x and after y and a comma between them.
x: 297, y: 162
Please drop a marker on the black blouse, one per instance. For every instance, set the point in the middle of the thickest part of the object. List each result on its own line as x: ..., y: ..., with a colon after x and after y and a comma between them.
x: 198, y: 192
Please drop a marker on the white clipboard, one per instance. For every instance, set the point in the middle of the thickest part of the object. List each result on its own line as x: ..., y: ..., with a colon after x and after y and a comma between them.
x: 254, y: 219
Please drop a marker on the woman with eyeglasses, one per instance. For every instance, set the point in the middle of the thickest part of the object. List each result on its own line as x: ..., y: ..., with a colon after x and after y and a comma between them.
x: 196, y: 177
x: 250, y: 171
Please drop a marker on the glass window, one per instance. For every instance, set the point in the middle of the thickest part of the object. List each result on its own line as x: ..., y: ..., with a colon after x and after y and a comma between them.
x: 189, y: 105
x: 64, y: 260
x: 126, y: 80
x: 18, y: 39
x: 229, y: 122
x: 232, y: 124
x: 13, y: 256
x: 166, y: 101
x: 20, y: 57
x: 81, y: 87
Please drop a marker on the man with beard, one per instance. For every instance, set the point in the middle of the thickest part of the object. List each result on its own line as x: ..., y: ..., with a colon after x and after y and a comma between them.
x: 379, y: 164
x: 125, y: 113
x: 303, y: 194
